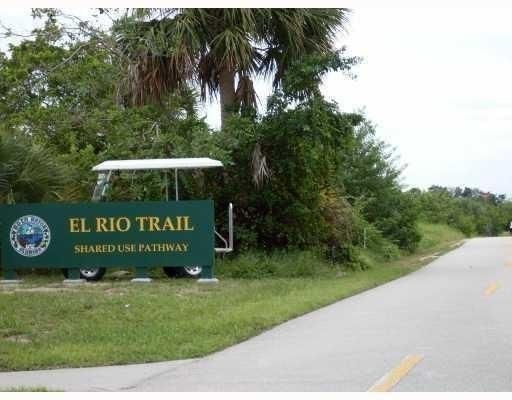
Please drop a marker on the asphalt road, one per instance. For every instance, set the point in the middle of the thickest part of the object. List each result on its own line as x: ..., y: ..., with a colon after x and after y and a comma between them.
x: 446, y: 327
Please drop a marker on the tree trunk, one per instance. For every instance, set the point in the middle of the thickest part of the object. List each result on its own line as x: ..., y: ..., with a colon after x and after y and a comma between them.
x: 227, y: 95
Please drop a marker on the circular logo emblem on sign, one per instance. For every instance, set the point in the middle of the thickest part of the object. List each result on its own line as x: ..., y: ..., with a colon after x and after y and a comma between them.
x: 30, y: 236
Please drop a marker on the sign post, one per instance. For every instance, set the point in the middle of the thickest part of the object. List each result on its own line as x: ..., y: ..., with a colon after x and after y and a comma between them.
x: 107, y: 235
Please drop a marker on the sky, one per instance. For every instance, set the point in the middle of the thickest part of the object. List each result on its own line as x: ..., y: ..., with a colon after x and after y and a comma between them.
x: 435, y: 82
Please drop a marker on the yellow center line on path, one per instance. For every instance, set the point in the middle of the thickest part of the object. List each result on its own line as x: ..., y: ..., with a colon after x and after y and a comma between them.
x: 394, y: 376
x: 491, y: 288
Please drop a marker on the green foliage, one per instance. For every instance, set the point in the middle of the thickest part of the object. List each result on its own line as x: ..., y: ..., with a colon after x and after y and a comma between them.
x: 300, y: 149
x: 398, y: 221
x: 377, y: 243
x: 304, y: 76
x: 27, y: 389
x: 62, y: 99
x: 435, y: 236
x: 167, y: 49
x: 257, y: 265
x: 57, y: 95
x: 371, y: 178
x: 472, y: 211
x: 327, y: 178
x: 303, y: 176
x: 29, y: 173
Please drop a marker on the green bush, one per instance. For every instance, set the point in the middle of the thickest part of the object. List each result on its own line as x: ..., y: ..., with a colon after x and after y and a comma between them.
x: 29, y: 172
x: 472, y: 211
x: 280, y: 264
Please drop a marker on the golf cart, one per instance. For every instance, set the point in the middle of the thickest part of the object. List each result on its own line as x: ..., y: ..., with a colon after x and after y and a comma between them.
x: 105, y: 173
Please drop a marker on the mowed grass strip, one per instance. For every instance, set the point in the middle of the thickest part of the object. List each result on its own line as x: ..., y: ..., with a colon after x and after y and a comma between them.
x: 45, y: 325
x: 26, y: 389
x: 98, y: 325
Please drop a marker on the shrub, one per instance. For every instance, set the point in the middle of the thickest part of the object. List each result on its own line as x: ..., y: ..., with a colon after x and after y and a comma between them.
x: 280, y: 264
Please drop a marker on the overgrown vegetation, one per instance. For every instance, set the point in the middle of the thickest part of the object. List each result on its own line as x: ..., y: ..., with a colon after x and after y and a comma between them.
x: 472, y: 211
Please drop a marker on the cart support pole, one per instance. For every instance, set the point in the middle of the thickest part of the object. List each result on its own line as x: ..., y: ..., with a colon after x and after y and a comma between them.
x: 9, y: 274
x: 166, y: 186
x: 73, y: 273
x: 141, y: 275
x: 176, y: 183
x: 207, y: 275
x: 73, y: 277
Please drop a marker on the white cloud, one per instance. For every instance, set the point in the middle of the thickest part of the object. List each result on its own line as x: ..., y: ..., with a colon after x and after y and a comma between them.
x: 436, y: 82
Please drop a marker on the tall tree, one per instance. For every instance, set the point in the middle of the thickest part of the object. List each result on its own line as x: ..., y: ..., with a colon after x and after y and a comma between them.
x: 221, y: 50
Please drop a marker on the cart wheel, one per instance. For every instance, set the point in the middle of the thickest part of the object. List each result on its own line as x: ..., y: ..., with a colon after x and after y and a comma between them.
x: 89, y: 274
x: 190, y: 271
x: 193, y: 271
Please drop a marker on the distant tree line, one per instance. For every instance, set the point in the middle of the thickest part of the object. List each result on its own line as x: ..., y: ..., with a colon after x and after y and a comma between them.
x: 471, y: 210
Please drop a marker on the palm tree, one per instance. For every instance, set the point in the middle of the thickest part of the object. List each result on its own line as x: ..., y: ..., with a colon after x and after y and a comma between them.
x: 221, y: 50
x: 30, y: 173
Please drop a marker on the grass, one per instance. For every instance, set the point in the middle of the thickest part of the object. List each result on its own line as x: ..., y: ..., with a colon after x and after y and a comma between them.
x: 435, y: 236
x: 46, y: 325
x: 26, y: 389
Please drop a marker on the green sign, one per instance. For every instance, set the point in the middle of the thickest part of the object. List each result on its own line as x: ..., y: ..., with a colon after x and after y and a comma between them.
x: 130, y: 234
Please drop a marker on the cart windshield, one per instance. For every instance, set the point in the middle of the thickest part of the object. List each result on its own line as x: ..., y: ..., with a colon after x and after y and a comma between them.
x: 107, y: 168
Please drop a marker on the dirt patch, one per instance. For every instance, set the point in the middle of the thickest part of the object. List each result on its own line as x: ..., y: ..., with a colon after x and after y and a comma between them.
x: 120, y: 274
x: 105, y: 287
x: 431, y: 256
x: 44, y: 289
x: 189, y: 291
x: 18, y: 339
x: 114, y: 291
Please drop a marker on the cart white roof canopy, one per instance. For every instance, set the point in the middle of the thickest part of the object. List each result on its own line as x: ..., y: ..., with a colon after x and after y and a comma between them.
x: 157, y: 163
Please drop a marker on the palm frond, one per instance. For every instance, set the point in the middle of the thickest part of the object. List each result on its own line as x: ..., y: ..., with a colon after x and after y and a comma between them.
x: 169, y: 48
x: 260, y: 170
x: 207, y: 76
x: 29, y: 173
x: 163, y: 55
x: 232, y: 49
x: 245, y: 95
x: 293, y: 33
